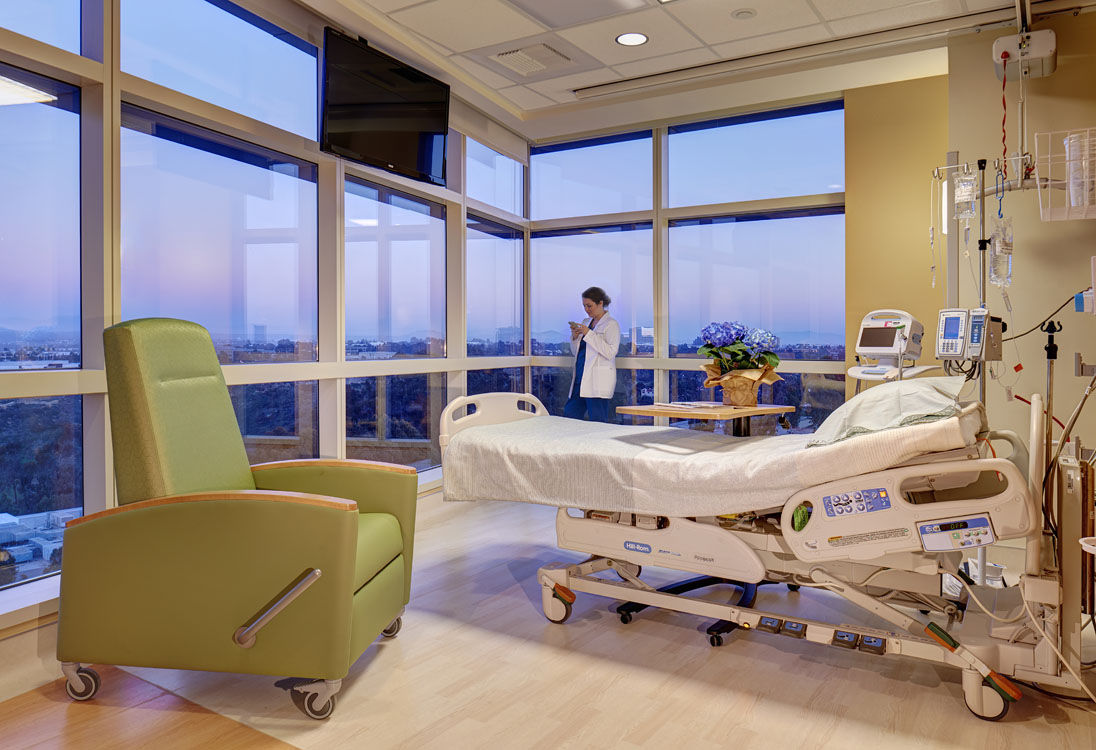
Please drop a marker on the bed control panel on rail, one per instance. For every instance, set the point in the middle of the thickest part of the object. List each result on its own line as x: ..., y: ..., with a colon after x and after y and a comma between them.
x: 858, y: 501
x: 972, y: 503
x: 956, y: 533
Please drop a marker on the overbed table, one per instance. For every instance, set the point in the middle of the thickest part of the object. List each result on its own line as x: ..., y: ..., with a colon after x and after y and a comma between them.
x: 738, y: 416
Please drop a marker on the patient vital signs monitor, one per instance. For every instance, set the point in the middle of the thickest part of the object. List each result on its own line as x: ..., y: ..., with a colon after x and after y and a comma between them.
x: 893, y: 338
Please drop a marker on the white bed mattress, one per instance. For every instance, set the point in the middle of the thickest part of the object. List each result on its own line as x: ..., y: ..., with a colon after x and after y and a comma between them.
x: 669, y: 471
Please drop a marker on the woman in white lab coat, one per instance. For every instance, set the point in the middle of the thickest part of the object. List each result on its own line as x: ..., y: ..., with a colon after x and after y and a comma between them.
x: 594, y: 343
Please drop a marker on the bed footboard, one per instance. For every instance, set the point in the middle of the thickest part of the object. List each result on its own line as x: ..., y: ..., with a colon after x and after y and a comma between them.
x: 487, y: 409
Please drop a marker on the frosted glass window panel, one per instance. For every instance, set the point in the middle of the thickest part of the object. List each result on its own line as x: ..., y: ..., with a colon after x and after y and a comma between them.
x: 814, y: 396
x: 279, y: 421
x: 495, y: 283
x: 753, y: 157
x: 55, y: 22
x: 41, y: 483
x: 395, y: 274
x: 40, y: 220
x: 785, y: 273
x: 565, y: 263
x: 395, y: 419
x: 218, y: 52
x: 495, y: 179
x: 596, y: 176
x: 500, y: 380
x: 634, y: 387
x: 222, y: 233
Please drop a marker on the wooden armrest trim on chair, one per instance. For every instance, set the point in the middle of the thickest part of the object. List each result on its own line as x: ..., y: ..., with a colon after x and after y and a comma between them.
x: 297, y: 498
x: 351, y: 462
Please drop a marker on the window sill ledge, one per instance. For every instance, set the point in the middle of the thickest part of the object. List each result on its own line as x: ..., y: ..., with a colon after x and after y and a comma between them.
x: 28, y: 602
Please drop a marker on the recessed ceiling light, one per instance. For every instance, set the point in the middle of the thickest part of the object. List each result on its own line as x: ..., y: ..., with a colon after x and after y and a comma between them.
x: 14, y: 92
x: 632, y: 39
x: 665, y: 1
x: 743, y: 14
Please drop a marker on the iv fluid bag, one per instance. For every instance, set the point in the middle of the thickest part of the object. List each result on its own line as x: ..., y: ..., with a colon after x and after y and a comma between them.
x: 1000, y: 254
x: 966, y: 194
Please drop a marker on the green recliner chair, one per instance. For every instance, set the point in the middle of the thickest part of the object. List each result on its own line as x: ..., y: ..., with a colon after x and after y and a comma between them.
x: 290, y: 568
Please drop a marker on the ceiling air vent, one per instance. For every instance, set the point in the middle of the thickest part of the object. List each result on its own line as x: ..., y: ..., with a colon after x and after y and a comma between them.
x: 537, y: 58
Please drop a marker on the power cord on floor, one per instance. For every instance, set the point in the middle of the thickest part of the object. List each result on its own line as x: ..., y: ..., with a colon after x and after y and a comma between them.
x: 1062, y: 659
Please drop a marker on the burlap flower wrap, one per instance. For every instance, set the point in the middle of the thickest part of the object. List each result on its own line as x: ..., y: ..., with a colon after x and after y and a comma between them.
x: 739, y: 386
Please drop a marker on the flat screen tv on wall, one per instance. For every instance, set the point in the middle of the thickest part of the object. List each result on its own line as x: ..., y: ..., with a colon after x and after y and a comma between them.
x: 378, y: 111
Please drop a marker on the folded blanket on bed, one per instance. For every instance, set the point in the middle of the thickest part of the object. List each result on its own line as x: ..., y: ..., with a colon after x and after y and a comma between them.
x: 669, y: 471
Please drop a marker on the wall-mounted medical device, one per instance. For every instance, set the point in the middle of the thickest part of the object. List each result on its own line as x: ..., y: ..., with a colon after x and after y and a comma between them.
x: 972, y: 335
x: 1033, y: 54
x: 893, y: 338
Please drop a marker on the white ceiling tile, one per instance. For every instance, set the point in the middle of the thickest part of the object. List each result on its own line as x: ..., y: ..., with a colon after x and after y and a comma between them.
x: 771, y: 42
x: 664, y: 33
x: 831, y: 9
x: 711, y: 20
x: 463, y: 24
x: 387, y: 6
x: 525, y: 98
x: 977, y: 6
x: 676, y: 61
x: 894, y: 18
x: 432, y: 44
x: 556, y: 14
x: 562, y: 89
x: 482, y: 74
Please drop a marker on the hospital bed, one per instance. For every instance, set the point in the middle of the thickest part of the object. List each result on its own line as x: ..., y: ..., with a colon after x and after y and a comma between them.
x: 879, y: 520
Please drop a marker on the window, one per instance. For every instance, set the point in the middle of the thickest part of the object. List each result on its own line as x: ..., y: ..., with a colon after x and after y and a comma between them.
x: 395, y: 274
x: 395, y: 419
x: 595, y: 176
x: 41, y: 483
x: 814, y: 396
x: 501, y: 380
x: 493, y: 268
x: 55, y: 22
x: 495, y: 179
x: 279, y: 421
x: 219, y: 232
x: 566, y: 262
x: 777, y: 154
x: 40, y: 216
x: 552, y: 385
x: 783, y: 272
x: 219, y: 52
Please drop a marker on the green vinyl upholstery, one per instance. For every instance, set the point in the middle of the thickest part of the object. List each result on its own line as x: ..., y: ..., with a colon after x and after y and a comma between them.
x: 201, y: 543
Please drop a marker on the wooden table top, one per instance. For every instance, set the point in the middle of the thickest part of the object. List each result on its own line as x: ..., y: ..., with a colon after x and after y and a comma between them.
x: 702, y: 410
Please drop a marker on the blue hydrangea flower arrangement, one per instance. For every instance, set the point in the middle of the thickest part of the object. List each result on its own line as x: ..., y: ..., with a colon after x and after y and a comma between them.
x: 735, y: 346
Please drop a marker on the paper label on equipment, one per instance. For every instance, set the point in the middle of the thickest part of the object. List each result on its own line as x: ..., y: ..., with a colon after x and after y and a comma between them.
x: 871, y: 536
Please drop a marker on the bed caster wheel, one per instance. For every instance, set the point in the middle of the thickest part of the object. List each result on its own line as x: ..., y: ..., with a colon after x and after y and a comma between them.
x: 557, y: 611
x: 993, y: 708
x: 716, y: 640
x: 307, y: 703
x: 625, y: 617
x: 393, y: 628
x: 89, y: 685
x: 793, y: 587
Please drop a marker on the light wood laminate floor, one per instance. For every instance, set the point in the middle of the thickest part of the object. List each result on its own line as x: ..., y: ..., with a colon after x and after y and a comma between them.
x: 478, y: 666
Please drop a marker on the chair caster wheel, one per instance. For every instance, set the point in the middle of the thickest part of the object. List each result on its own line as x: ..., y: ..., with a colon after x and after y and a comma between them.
x: 716, y: 640
x: 90, y: 683
x: 306, y: 702
x: 793, y: 587
x: 625, y: 617
x: 393, y: 628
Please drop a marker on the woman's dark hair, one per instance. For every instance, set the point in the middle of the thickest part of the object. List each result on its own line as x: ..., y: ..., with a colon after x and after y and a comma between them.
x: 597, y: 295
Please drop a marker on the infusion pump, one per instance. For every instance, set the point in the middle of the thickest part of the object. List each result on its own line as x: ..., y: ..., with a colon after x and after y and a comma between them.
x: 974, y: 335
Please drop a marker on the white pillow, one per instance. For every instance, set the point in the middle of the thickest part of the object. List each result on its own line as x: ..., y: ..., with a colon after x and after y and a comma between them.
x: 891, y: 405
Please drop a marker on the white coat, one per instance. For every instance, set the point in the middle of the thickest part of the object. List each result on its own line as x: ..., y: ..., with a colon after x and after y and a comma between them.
x: 599, y: 374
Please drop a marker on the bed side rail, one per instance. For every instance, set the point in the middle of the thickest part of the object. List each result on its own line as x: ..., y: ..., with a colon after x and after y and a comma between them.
x: 488, y: 409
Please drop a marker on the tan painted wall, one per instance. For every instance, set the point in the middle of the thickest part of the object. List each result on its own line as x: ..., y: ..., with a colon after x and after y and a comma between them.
x: 894, y: 135
x: 1051, y: 259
